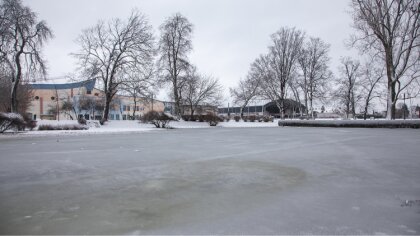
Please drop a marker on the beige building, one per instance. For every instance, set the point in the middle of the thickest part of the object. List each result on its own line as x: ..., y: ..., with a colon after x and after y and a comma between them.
x: 82, y: 99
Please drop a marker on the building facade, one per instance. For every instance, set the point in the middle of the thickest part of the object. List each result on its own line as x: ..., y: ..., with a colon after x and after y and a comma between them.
x: 292, y: 109
x: 82, y: 99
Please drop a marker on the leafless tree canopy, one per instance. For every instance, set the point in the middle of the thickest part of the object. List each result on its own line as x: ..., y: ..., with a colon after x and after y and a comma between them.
x: 201, y: 90
x: 348, y: 84
x: 390, y: 28
x: 140, y: 84
x: 110, y: 50
x: 174, y: 46
x: 248, y: 88
x: 371, y: 83
x: 22, y: 38
x: 279, y: 66
x: 315, y: 75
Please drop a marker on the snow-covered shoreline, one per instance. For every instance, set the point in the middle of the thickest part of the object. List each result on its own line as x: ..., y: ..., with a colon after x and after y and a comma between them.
x: 129, y: 126
x: 352, y: 123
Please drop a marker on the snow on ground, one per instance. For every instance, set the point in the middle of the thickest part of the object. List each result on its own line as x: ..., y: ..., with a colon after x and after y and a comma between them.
x: 124, y: 126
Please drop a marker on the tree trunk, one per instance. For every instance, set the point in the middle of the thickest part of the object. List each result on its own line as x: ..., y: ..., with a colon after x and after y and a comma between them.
x: 390, y: 72
x: 14, y: 101
x: 312, y: 108
x: 108, y: 98
x: 366, y: 109
x: 177, y: 102
x: 134, y: 108
x: 306, y: 99
x: 392, y: 100
x: 192, y: 114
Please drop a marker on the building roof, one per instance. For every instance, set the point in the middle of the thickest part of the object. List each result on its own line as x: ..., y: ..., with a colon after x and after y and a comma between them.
x: 88, y: 84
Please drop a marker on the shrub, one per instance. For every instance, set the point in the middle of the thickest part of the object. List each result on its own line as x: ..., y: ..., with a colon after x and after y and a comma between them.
x: 252, y: 118
x: 268, y: 118
x: 81, y: 121
x: 29, y: 123
x: 212, y: 119
x: 11, y: 121
x: 158, y: 119
x: 237, y: 118
x: 62, y: 127
x: 102, y: 121
x: 245, y: 118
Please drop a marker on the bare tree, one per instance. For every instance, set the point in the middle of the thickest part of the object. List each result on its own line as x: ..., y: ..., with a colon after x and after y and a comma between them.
x: 174, y: 46
x: 347, y: 85
x: 390, y: 28
x: 248, y: 88
x: 313, y: 62
x: 68, y: 107
x: 279, y: 66
x: 24, y: 95
x: 91, y: 104
x: 201, y: 90
x: 110, y: 50
x: 140, y: 85
x: 371, y: 84
x: 22, y: 38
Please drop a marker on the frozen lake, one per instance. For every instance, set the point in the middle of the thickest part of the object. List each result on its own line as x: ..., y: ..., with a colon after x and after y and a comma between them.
x: 213, y: 181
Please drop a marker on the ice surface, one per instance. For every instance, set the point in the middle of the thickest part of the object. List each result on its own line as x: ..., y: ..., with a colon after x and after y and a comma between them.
x: 212, y: 181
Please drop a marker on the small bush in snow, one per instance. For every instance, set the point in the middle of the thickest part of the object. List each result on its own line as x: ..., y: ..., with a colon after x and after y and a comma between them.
x: 11, y: 121
x: 252, y: 118
x: 212, y: 119
x: 81, y: 121
x: 268, y: 119
x: 29, y: 123
x: 158, y: 119
x: 237, y: 118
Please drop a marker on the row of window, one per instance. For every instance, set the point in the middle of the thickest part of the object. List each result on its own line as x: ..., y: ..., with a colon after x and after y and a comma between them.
x: 124, y: 117
x: 128, y: 108
x: 53, y: 98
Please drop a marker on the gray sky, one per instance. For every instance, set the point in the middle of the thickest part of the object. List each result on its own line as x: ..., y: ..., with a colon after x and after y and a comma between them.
x: 228, y: 34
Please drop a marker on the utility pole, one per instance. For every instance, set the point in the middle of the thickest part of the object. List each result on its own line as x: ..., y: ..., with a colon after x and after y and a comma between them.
x: 405, y: 106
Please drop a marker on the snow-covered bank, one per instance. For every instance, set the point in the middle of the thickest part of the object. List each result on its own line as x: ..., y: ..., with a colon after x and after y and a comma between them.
x: 352, y: 123
x: 130, y: 126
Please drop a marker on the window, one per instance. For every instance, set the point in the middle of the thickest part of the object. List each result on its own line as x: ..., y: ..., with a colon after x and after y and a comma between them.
x: 124, y: 107
x: 89, y: 92
x: 128, y: 108
x: 117, y: 116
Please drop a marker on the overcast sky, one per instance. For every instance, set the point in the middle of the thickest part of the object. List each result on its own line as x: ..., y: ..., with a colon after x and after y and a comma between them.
x: 228, y: 34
